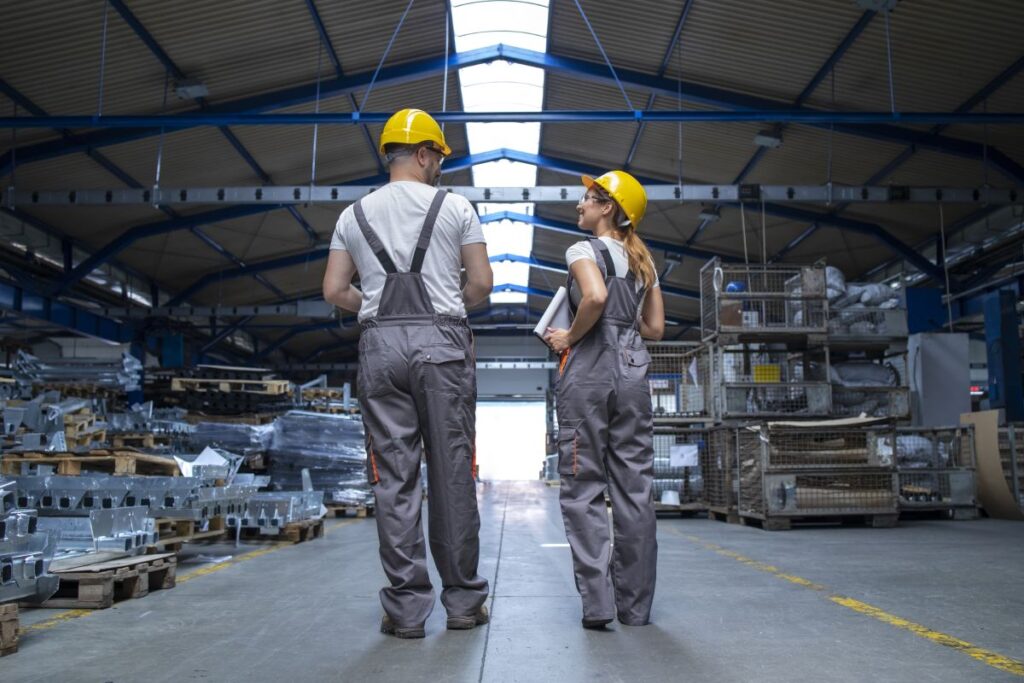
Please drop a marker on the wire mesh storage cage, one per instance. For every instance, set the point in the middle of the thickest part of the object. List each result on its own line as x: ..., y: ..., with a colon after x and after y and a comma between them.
x: 718, y: 465
x: 750, y: 300
x: 756, y: 381
x: 862, y: 324
x: 678, y: 456
x: 1011, y: 453
x: 872, y: 388
x: 937, y: 469
x: 791, y: 471
x: 679, y: 381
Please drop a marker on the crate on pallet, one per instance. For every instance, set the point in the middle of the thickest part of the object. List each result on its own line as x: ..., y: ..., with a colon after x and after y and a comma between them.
x: 752, y: 302
x: 937, y: 470
x: 679, y: 379
x: 816, y: 471
x: 677, y: 468
x: 718, y: 466
x: 760, y: 381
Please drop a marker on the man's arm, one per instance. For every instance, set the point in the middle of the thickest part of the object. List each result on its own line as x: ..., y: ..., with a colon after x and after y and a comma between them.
x: 338, y: 289
x: 479, y: 277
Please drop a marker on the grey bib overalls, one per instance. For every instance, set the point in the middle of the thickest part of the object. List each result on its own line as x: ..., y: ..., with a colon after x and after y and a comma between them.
x: 417, y: 385
x: 605, y: 442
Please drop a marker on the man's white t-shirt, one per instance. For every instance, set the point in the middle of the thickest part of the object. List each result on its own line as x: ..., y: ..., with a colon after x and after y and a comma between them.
x: 396, y: 213
x: 583, y: 250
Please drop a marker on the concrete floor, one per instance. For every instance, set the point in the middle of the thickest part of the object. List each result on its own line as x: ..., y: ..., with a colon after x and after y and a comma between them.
x: 732, y: 604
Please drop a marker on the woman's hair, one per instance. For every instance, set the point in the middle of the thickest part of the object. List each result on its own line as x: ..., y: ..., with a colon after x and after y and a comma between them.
x: 640, y: 262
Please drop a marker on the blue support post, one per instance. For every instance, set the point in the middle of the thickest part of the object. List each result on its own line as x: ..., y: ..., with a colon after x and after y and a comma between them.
x: 172, y: 351
x: 925, y: 310
x: 1002, y: 344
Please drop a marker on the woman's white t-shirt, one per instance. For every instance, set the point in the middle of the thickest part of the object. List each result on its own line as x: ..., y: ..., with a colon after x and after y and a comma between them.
x: 583, y: 250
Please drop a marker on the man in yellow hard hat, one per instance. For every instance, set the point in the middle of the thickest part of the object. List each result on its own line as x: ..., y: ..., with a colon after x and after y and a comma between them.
x: 417, y: 370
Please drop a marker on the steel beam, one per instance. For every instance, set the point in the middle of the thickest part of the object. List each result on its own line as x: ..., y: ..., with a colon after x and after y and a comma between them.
x: 138, y: 232
x: 844, y: 121
x: 1006, y: 75
x: 809, y: 89
x: 871, y: 125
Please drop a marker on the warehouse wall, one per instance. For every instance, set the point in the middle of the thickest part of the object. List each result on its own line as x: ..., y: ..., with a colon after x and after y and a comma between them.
x: 517, y: 384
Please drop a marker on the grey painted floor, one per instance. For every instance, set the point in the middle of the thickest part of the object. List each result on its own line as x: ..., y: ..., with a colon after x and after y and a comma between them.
x: 722, y: 613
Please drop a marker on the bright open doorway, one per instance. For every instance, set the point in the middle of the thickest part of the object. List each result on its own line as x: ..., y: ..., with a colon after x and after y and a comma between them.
x: 510, y: 440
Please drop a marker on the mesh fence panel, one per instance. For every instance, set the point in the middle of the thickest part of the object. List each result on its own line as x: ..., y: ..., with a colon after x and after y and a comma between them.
x: 679, y: 380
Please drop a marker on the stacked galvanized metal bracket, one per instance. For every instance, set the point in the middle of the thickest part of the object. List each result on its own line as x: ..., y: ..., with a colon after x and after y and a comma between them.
x: 124, y: 374
x: 25, y: 552
x: 42, y: 420
x: 270, y: 512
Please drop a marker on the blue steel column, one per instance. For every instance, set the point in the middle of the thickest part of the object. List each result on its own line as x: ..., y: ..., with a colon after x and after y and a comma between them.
x: 1002, y: 343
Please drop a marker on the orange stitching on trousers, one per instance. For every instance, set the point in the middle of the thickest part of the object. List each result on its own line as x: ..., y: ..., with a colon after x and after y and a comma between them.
x: 565, y: 359
x: 373, y: 461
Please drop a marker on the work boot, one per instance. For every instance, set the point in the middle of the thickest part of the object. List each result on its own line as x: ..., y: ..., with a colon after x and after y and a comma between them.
x: 472, y: 621
x: 388, y: 626
x: 596, y: 624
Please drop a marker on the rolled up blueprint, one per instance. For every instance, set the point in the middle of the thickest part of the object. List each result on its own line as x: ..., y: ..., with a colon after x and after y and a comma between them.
x: 556, y: 315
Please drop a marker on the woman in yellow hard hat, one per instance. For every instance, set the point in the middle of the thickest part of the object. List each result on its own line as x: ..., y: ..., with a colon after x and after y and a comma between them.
x: 605, y: 428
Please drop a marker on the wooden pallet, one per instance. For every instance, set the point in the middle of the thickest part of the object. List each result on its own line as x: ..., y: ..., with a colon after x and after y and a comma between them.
x: 8, y: 629
x: 249, y: 419
x: 266, y: 387
x: 86, y: 439
x: 79, y: 423
x: 880, y: 521
x: 332, y: 409
x: 98, y: 586
x: 683, y: 509
x: 139, y: 440
x: 358, y: 511
x: 79, y: 390
x: 720, y: 514
x: 296, y: 532
x: 173, y: 533
x: 103, y: 460
x: 321, y: 392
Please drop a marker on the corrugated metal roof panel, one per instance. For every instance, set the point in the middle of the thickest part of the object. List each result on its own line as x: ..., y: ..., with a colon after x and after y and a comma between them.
x: 63, y: 43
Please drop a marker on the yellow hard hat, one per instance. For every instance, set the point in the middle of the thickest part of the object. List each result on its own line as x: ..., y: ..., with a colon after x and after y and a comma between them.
x: 625, y: 190
x: 412, y: 126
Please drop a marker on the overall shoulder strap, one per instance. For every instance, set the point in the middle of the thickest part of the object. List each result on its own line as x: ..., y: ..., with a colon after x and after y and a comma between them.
x: 428, y: 230
x: 372, y: 239
x: 603, y: 257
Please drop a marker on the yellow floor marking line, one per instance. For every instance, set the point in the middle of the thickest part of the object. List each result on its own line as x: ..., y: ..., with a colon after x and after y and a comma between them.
x: 993, y: 659
x: 58, y: 620
x: 68, y: 615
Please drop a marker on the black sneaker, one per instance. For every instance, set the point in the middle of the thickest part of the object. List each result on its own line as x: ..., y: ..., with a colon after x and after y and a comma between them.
x: 596, y: 624
x: 387, y: 626
x: 472, y: 621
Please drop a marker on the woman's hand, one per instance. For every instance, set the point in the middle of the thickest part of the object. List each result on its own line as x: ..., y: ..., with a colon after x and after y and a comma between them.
x: 558, y: 340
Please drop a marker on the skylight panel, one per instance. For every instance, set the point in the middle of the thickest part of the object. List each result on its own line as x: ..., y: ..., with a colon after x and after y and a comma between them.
x: 500, y: 86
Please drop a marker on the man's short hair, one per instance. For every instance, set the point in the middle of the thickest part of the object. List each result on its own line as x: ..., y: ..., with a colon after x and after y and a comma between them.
x: 396, y: 150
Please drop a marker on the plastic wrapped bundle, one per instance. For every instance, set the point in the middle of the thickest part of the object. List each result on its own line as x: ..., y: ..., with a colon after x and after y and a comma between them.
x: 331, y: 447
x: 835, y: 283
x: 238, y: 438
